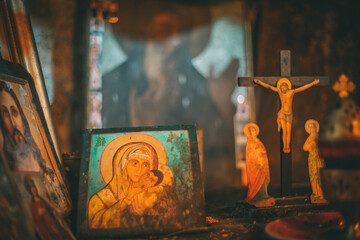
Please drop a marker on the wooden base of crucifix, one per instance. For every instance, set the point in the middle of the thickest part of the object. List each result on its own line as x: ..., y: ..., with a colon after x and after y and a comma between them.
x: 270, y: 82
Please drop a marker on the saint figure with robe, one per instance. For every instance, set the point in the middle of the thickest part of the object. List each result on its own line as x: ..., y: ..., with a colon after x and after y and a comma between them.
x: 257, y: 168
x: 314, y: 160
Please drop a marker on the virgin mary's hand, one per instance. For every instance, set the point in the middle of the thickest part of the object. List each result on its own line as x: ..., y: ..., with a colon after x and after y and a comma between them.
x: 133, y: 192
x: 142, y: 202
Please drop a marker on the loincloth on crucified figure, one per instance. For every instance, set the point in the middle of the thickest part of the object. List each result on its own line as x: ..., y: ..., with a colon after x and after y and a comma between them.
x: 288, y: 117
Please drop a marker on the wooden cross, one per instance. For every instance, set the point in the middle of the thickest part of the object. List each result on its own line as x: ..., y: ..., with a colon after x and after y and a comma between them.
x: 285, y: 72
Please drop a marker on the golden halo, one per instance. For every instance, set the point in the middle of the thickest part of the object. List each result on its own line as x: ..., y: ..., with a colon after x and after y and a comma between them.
x: 106, y: 160
x: 247, y: 129
x: 283, y: 80
x: 308, y: 122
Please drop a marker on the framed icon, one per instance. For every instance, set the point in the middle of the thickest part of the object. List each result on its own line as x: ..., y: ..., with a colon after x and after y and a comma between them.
x: 139, y: 181
x: 25, y: 142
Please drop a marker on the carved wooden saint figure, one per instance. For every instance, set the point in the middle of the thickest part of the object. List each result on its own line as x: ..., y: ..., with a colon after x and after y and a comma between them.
x: 314, y: 160
x: 257, y: 169
x: 285, y: 115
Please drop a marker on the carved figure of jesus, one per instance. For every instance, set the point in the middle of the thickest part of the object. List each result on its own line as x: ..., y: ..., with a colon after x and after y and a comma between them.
x: 285, y: 115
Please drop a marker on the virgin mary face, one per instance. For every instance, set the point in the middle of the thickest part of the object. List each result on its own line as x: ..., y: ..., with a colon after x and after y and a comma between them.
x: 137, y: 168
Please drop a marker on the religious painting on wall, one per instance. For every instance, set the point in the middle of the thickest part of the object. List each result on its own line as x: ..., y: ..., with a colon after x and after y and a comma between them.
x: 164, y: 62
x: 137, y: 181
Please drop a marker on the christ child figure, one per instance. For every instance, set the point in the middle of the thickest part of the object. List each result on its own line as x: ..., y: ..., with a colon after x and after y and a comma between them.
x: 257, y: 169
x: 149, y: 181
x: 149, y: 185
x: 314, y: 160
x: 285, y: 115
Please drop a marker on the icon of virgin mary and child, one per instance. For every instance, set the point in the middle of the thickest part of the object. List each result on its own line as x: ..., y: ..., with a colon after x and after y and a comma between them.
x: 139, y: 190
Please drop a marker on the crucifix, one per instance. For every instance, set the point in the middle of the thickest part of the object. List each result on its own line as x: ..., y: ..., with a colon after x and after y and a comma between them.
x: 282, y: 85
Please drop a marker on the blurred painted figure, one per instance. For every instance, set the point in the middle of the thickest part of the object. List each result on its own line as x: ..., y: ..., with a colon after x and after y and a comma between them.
x: 48, y: 222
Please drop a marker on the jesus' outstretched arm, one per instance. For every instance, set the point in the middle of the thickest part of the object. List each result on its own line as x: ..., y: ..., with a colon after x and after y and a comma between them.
x: 265, y: 85
x: 302, y: 88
